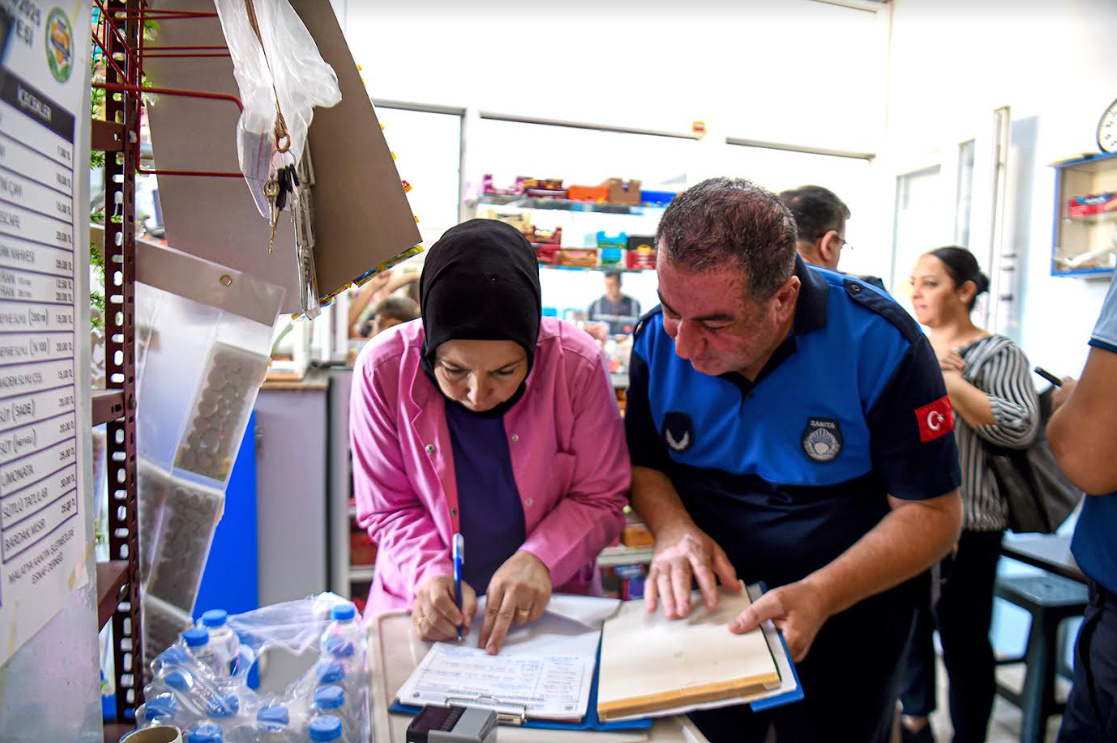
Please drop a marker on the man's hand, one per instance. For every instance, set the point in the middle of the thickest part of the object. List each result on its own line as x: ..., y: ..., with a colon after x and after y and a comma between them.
x: 683, y: 553
x: 798, y: 610
x: 519, y: 592
x: 435, y: 614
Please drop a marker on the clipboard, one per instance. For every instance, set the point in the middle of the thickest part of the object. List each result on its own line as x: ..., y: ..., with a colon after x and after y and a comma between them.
x: 395, y: 650
x: 589, y: 722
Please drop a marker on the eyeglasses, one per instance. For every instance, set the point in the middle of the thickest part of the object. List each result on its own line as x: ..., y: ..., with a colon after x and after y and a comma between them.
x: 845, y: 245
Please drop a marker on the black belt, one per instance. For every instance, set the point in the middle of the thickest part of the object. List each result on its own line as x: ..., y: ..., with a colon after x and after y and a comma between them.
x: 1102, y: 596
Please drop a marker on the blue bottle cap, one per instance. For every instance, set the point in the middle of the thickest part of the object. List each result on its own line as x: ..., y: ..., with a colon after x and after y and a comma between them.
x: 339, y: 647
x: 330, y: 672
x: 161, y: 707
x: 275, y: 714
x: 179, y: 680
x: 196, y: 637
x: 215, y: 618
x: 343, y: 612
x: 328, y: 697
x: 206, y: 734
x: 221, y: 706
x: 323, y: 729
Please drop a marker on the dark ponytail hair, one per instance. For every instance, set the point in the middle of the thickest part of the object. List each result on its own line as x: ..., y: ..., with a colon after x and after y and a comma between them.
x: 962, y: 267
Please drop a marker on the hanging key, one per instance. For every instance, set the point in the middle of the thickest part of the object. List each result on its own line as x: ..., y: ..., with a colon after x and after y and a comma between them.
x: 271, y: 190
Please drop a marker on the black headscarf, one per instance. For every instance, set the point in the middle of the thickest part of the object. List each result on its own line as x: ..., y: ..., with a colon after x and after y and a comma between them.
x: 481, y: 282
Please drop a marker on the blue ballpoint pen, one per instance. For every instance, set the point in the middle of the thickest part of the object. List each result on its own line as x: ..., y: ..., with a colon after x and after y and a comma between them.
x: 459, y: 558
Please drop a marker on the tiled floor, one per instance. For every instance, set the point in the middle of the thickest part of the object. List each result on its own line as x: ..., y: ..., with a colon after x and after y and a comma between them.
x: 1005, y: 725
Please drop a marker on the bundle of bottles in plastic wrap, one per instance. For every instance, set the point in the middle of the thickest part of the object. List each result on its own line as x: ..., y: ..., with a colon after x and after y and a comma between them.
x: 200, y: 684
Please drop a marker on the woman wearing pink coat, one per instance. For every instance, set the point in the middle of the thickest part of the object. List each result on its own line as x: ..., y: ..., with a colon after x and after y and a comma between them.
x: 484, y: 419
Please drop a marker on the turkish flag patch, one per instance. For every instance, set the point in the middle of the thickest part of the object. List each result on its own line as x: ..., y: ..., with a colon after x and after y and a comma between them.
x: 935, y: 419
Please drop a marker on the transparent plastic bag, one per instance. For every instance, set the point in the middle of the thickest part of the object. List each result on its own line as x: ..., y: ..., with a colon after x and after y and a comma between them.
x: 186, y: 692
x: 281, y: 64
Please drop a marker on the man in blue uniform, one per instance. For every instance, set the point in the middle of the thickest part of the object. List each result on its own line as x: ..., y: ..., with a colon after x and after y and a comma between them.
x: 788, y: 425
x: 1082, y: 439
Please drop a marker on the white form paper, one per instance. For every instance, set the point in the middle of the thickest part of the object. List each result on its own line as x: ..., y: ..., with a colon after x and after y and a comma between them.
x: 544, y: 668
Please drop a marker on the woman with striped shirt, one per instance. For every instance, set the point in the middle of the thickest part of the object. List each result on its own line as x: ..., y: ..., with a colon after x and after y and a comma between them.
x: 989, y: 383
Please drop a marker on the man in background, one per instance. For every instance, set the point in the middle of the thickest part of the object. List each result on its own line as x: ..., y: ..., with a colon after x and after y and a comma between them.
x: 1082, y: 439
x: 619, y: 311
x: 389, y: 312
x: 820, y: 217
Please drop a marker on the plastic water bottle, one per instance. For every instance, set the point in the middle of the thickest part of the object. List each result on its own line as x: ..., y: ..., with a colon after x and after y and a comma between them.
x: 180, y: 680
x: 343, y: 637
x: 206, y: 734
x: 222, y: 706
x: 197, y: 642
x: 222, y: 638
x: 323, y: 729
x: 331, y: 701
x: 331, y: 673
x: 160, y: 710
x: 273, y: 724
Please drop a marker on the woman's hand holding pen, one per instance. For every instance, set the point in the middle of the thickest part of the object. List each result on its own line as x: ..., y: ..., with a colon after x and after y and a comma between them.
x: 519, y: 592
x: 435, y: 614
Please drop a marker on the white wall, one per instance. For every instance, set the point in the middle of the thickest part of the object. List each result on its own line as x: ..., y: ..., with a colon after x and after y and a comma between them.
x: 951, y: 64
x: 785, y: 70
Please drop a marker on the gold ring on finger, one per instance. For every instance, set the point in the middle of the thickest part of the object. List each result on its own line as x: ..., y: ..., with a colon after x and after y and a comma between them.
x: 524, y: 614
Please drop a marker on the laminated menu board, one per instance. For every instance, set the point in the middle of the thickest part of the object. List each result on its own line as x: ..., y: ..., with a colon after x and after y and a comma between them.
x: 44, y: 155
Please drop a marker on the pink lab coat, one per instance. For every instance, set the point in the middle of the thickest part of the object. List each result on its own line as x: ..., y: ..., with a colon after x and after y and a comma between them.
x: 568, y: 449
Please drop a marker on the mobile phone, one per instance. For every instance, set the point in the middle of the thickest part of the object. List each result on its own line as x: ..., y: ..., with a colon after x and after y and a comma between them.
x: 1049, y: 376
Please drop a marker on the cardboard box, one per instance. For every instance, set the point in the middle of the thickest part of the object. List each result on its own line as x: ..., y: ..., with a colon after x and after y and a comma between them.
x: 623, y: 192
x: 1091, y: 204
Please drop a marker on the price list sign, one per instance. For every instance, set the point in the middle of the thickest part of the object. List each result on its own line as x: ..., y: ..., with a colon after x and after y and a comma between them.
x: 43, y: 69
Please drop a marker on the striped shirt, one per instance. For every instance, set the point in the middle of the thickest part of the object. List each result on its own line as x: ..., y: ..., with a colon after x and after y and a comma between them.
x: 997, y: 367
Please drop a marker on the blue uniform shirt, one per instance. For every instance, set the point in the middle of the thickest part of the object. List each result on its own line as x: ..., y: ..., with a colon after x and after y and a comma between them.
x: 1095, y: 536
x: 787, y: 472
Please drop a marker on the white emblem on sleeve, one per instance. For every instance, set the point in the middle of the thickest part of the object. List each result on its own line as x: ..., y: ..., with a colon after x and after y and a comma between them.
x: 934, y: 420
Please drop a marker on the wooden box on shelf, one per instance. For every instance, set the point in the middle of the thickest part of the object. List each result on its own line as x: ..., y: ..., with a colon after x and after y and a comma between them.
x: 1085, y: 230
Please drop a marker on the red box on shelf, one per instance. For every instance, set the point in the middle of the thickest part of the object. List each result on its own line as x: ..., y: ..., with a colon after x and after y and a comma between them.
x: 1091, y: 204
x: 548, y: 254
x: 537, y: 236
x: 361, y: 549
x: 640, y: 259
x: 588, y: 193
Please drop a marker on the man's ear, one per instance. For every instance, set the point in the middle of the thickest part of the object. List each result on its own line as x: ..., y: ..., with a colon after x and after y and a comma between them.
x: 830, y: 248
x: 786, y: 296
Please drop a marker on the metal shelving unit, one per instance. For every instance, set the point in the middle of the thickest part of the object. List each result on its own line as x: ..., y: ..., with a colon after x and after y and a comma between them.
x: 117, y: 36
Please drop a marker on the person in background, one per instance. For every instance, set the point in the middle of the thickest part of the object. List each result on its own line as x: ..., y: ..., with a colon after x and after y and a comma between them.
x: 820, y: 218
x: 989, y: 382
x: 1081, y: 434
x: 384, y: 284
x: 619, y: 311
x: 489, y: 420
x: 788, y: 425
x: 388, y: 313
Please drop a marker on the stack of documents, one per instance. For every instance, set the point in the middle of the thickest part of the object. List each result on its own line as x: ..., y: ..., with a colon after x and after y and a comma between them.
x: 544, y: 670
x: 651, y: 666
x: 549, y: 670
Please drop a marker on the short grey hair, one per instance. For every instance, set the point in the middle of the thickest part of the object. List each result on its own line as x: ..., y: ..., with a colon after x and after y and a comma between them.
x: 725, y: 220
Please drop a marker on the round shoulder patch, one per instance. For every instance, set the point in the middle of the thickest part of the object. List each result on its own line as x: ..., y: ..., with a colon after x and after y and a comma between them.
x: 822, y: 439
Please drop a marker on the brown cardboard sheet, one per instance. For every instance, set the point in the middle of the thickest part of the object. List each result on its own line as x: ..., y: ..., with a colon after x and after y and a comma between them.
x: 362, y: 218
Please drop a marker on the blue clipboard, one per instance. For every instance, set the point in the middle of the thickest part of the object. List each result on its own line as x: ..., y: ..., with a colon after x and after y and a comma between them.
x: 589, y: 722
x: 779, y: 700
